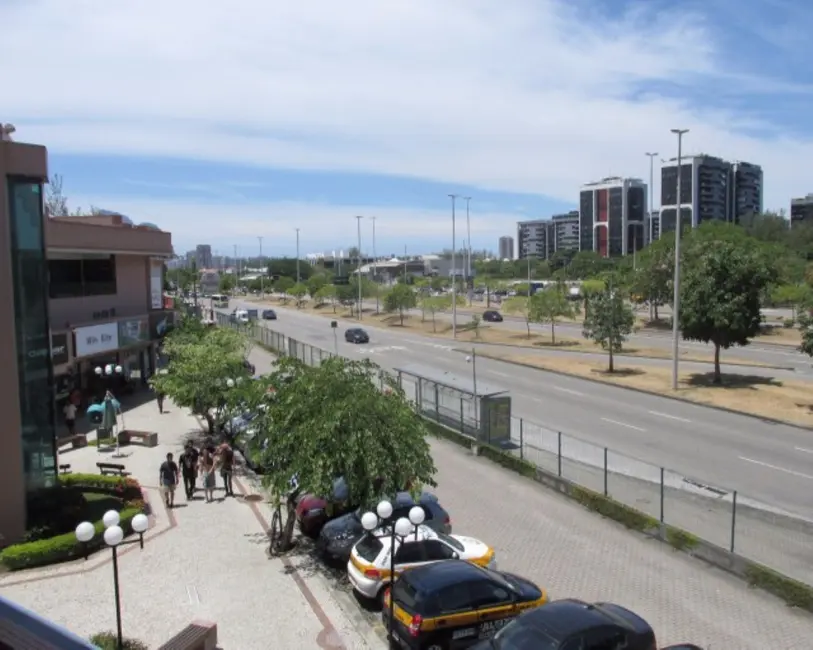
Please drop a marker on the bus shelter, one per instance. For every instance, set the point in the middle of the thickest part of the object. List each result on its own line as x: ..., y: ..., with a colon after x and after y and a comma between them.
x: 460, y: 402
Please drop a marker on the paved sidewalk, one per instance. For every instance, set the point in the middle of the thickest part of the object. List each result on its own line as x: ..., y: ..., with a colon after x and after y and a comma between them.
x: 200, y: 561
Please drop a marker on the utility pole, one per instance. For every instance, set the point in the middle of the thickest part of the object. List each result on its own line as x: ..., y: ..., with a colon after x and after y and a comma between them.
x: 358, y: 270
x: 468, y: 246
x: 652, y: 156
x: 298, y: 277
x: 405, y: 263
x: 454, y: 270
x: 236, y: 273
x: 375, y: 279
x: 262, y: 272
x: 676, y: 300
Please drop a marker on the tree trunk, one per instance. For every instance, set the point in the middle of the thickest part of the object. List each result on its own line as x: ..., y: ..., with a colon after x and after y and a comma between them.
x: 612, y: 364
x: 288, y: 530
x: 656, y: 312
x: 528, y: 326
x: 210, y: 421
x: 718, y: 378
x: 434, y: 329
x: 553, y: 332
x: 401, y: 315
x: 488, y: 298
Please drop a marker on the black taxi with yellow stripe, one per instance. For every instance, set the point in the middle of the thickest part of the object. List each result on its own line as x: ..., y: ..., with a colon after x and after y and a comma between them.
x: 453, y: 604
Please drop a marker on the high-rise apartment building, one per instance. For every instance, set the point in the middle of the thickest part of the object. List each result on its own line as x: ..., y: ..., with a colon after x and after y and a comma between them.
x: 711, y: 189
x: 565, y: 231
x: 534, y: 239
x: 506, y: 248
x: 203, y: 256
x: 652, y: 227
x: 611, y: 216
x: 801, y: 210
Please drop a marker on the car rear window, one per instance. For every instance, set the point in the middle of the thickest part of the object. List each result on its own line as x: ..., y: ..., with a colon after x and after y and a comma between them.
x: 451, y: 541
x: 369, y: 547
x: 407, y: 597
x: 518, y: 636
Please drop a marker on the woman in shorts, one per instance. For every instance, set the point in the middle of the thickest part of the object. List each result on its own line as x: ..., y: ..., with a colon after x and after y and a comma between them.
x: 207, y: 471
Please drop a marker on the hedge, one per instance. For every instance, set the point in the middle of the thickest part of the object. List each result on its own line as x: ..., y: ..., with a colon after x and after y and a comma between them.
x: 65, y: 547
x: 440, y: 431
x: 793, y: 592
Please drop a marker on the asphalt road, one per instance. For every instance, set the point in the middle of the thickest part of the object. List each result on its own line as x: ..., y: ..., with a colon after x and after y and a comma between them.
x: 766, y: 462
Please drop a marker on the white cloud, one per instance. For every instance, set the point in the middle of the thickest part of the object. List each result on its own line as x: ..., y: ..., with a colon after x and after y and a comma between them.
x: 523, y: 95
x: 324, y: 227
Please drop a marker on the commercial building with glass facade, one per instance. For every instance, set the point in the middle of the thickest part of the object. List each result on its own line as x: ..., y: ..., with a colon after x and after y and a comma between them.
x: 86, y: 292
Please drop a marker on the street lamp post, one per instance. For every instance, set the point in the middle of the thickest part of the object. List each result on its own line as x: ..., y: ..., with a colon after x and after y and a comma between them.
x: 473, y: 361
x: 358, y: 270
x: 114, y: 537
x: 262, y: 273
x: 297, y: 256
x: 468, y: 246
x: 400, y: 529
x: 652, y: 156
x: 676, y: 299
x: 454, y: 272
x: 374, y: 268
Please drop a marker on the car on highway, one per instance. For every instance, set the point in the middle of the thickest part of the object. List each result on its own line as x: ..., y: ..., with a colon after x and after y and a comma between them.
x: 269, y: 314
x: 369, y: 565
x: 492, y: 316
x: 356, y: 335
x: 454, y: 604
x: 338, y: 536
x: 571, y: 623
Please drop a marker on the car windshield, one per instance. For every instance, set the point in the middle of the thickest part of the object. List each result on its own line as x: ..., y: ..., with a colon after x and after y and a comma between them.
x: 451, y: 541
x: 518, y: 636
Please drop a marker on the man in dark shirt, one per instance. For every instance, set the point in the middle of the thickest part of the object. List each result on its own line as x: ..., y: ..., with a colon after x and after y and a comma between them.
x: 189, y: 468
x: 226, y: 461
x: 168, y: 480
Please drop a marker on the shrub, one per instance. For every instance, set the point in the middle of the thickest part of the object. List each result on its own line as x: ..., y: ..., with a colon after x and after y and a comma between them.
x: 629, y: 517
x: 679, y: 539
x: 507, y: 460
x: 53, y: 511
x: 109, y: 641
x: 122, y: 487
x: 451, y: 435
x: 794, y: 593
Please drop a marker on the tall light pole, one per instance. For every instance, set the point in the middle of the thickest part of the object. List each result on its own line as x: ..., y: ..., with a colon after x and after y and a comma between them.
x: 297, y: 256
x: 358, y: 270
x: 236, y: 273
x: 374, y: 269
x: 676, y: 300
x: 468, y: 244
x: 652, y: 156
x: 262, y: 273
x: 454, y: 271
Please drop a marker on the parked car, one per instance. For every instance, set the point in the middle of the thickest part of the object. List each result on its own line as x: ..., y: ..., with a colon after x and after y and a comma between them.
x: 454, y: 604
x: 492, y: 316
x: 338, y: 536
x: 573, y: 623
x: 313, y: 512
x: 369, y: 565
x: 356, y: 335
x: 269, y: 314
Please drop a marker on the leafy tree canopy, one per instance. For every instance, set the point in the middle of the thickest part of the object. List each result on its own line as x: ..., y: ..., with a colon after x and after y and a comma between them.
x: 401, y: 298
x: 334, y: 420
x: 551, y: 306
x: 608, y: 321
x: 286, y: 267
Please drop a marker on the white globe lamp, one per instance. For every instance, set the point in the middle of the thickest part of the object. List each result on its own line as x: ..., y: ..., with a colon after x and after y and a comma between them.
x: 369, y: 521
x: 416, y: 515
x: 85, y: 532
x: 230, y: 383
x: 113, y: 536
x: 384, y: 509
x: 403, y: 527
x: 140, y: 523
x: 119, y: 370
x: 111, y: 518
x: 98, y: 370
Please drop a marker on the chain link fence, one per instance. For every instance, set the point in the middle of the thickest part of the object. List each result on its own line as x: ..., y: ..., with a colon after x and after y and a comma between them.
x: 705, y: 509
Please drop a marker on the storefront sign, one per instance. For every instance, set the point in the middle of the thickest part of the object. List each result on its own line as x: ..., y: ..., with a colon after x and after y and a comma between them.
x: 59, y: 349
x: 156, y: 285
x: 160, y: 324
x: 96, y: 339
x: 133, y: 332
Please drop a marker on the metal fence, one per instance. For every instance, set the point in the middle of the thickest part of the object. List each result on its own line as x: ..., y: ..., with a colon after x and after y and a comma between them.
x: 714, y: 513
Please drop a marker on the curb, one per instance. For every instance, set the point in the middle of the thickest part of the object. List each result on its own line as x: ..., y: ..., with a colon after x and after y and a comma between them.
x: 723, y: 409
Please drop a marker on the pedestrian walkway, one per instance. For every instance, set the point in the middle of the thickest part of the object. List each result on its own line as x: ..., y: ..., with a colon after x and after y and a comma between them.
x: 200, y: 561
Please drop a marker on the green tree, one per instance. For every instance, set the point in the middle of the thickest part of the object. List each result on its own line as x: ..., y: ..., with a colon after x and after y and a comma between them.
x: 791, y: 295
x: 298, y: 293
x: 227, y: 283
x: 287, y: 266
x: 435, y: 304
x: 519, y: 306
x: 347, y: 296
x: 652, y: 280
x: 201, y: 363
x: 316, y: 282
x: 400, y: 298
x: 332, y: 420
x: 325, y: 294
x: 608, y: 321
x: 551, y: 306
x: 721, y: 287
x: 284, y: 285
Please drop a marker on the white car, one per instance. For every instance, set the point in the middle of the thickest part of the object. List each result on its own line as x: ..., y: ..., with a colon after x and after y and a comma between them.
x: 369, y: 565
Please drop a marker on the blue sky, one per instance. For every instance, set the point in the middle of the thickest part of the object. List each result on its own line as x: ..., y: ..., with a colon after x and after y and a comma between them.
x: 222, y: 130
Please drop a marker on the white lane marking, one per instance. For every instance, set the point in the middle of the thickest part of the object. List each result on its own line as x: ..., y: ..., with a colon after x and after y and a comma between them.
x: 623, y: 424
x: 669, y: 417
x: 807, y: 451
x: 778, y: 469
x: 568, y: 390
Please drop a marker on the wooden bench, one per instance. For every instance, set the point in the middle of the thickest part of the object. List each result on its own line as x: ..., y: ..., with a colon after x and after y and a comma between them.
x: 65, y: 468
x: 198, y: 635
x: 77, y: 441
x: 147, y: 438
x: 112, y: 469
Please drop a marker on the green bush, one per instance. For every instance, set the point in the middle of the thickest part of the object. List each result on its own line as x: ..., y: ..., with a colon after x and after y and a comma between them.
x: 109, y: 641
x: 125, y: 488
x: 629, y: 517
x: 679, y: 539
x: 794, y: 593
x: 53, y: 511
x: 507, y: 460
x: 451, y: 435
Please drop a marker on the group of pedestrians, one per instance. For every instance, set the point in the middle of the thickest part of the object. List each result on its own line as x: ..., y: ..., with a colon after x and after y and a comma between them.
x: 206, y: 463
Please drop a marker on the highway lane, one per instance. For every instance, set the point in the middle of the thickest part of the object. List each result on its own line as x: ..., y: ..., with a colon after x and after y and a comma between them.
x: 765, y: 353
x: 767, y: 462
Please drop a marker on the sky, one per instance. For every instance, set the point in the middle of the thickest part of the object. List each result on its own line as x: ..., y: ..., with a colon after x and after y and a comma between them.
x: 226, y: 122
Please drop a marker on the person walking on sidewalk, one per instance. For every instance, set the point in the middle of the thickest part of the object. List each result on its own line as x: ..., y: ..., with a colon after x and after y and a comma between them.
x: 189, y: 468
x: 168, y: 479
x: 70, y: 417
x: 207, y: 472
x: 159, y: 397
x: 226, y: 461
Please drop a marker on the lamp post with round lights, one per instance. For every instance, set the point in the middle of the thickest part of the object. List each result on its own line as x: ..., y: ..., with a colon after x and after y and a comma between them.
x: 401, y: 528
x: 114, y: 537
